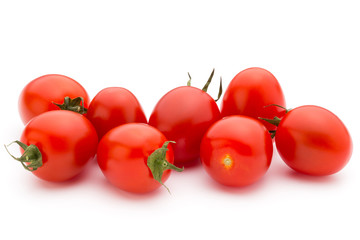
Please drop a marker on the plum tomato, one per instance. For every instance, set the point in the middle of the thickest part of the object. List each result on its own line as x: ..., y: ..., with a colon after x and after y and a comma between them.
x: 251, y: 92
x: 314, y: 141
x: 236, y: 151
x: 136, y: 157
x: 112, y: 107
x: 56, y: 145
x: 52, y: 92
x: 183, y: 115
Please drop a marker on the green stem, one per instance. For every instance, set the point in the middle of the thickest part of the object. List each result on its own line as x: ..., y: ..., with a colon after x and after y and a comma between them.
x: 75, y: 105
x: 157, y: 163
x: 206, y: 86
x: 32, y: 156
x: 272, y: 133
x: 275, y: 121
x: 220, y: 90
x: 189, y: 81
x: 208, y: 81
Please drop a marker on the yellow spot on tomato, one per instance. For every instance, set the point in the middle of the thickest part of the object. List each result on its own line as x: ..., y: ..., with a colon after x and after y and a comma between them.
x: 227, y: 162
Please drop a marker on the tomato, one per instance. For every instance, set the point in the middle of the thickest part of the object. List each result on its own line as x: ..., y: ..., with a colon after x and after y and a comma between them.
x: 314, y: 141
x: 250, y: 93
x: 112, y: 107
x: 57, y: 145
x: 183, y: 115
x: 236, y: 151
x: 43, y: 93
x: 124, y: 156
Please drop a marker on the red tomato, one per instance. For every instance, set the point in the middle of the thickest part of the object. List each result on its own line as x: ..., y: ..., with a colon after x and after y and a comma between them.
x: 112, y: 107
x: 40, y: 95
x: 123, y: 157
x: 250, y: 92
x: 66, y: 141
x: 236, y: 151
x: 183, y: 115
x: 312, y: 140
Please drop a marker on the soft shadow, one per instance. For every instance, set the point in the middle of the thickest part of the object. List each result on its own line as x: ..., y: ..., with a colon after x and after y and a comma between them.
x: 293, y: 175
x: 244, y: 190
x: 117, y: 192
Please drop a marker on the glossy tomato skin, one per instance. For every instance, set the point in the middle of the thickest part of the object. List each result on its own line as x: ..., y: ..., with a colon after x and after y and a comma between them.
x: 314, y: 141
x: 112, y: 107
x: 122, y: 156
x: 250, y: 92
x: 183, y: 115
x: 236, y: 151
x: 38, y: 96
x: 66, y: 140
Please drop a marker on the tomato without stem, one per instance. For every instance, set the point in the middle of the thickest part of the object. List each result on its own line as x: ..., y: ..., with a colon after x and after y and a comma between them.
x: 56, y: 145
x: 236, y: 151
x: 112, y: 107
x: 250, y: 93
x: 43, y: 93
x: 135, y: 157
x: 183, y: 115
x: 314, y: 141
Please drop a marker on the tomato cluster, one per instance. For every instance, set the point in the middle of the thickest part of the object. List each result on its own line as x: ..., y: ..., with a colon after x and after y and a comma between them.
x: 234, y: 143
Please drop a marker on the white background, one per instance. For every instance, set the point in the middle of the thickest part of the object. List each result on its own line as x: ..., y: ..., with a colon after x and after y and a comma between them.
x: 312, y: 47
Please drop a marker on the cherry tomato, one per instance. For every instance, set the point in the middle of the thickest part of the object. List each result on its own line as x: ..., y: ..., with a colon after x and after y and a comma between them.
x: 183, y: 115
x: 43, y: 93
x: 124, y: 156
x: 251, y: 92
x: 236, y: 151
x: 56, y: 145
x: 112, y: 107
x: 313, y: 141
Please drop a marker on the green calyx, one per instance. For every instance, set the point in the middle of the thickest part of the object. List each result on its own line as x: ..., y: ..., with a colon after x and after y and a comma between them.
x: 272, y: 133
x: 32, y: 156
x: 74, y: 105
x: 205, y: 88
x: 157, y: 163
x: 276, y: 120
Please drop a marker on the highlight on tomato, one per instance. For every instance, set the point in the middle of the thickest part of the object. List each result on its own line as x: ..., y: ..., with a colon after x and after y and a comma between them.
x: 52, y: 92
x: 254, y: 92
x: 136, y: 157
x: 312, y: 140
x: 57, y: 145
x: 112, y: 107
x: 183, y: 115
x: 236, y: 151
